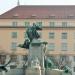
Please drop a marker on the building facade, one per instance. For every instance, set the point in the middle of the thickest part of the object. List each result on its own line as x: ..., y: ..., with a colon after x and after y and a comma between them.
x: 58, y: 23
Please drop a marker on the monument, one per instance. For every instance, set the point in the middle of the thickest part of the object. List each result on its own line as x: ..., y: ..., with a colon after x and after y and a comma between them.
x: 36, y: 57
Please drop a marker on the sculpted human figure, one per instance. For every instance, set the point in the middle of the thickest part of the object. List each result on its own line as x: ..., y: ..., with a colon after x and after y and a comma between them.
x: 31, y: 34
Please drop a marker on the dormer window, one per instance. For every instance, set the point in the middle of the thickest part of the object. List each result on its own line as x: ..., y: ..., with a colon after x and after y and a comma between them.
x: 70, y: 16
x: 15, y: 16
x: 52, y: 16
x: 33, y: 15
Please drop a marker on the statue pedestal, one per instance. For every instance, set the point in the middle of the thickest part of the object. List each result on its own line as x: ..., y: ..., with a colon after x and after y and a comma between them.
x: 36, y: 58
x: 36, y: 51
x: 32, y: 71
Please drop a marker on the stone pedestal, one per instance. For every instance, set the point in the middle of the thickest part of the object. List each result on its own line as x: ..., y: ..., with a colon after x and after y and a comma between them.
x: 36, y: 51
x: 32, y: 71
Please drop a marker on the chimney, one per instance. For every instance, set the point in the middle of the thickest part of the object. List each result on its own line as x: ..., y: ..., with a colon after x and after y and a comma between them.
x: 18, y: 3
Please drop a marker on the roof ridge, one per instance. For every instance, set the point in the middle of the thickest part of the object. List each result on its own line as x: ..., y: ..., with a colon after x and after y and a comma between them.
x: 25, y: 11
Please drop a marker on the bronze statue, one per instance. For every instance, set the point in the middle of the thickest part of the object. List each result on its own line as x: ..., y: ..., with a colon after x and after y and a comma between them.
x: 31, y: 34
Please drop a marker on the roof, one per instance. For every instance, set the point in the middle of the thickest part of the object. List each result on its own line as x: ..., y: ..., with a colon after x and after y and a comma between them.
x: 40, y: 11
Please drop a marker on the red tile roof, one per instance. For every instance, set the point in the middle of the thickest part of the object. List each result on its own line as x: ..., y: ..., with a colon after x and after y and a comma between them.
x: 42, y: 11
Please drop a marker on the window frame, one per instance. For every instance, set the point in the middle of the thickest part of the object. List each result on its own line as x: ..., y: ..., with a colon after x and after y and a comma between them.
x: 27, y: 23
x: 52, y: 24
x: 64, y: 24
x: 51, y: 46
x: 64, y: 35
x: 39, y: 23
x: 14, y: 46
x: 14, y: 34
x: 64, y: 46
x: 14, y: 23
x: 51, y: 35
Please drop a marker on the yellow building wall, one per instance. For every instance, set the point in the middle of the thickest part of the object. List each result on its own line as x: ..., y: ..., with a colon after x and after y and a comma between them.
x: 6, y: 39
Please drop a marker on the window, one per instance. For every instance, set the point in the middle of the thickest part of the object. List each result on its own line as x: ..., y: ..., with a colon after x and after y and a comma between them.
x: 14, y: 34
x: 51, y: 46
x: 52, y: 24
x: 64, y: 35
x: 13, y: 45
x: 51, y: 35
x: 27, y: 24
x: 64, y: 24
x: 39, y: 23
x: 70, y: 16
x: 52, y: 17
x: 25, y: 35
x: 64, y: 46
x: 14, y: 23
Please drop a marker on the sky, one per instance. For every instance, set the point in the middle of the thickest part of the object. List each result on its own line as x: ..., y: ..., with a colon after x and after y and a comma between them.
x: 6, y: 5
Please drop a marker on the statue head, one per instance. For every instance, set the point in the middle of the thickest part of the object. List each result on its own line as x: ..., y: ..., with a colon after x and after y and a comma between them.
x: 37, y: 27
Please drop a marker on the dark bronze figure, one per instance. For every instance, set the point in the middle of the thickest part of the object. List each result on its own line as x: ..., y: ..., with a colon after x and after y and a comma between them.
x: 31, y: 34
